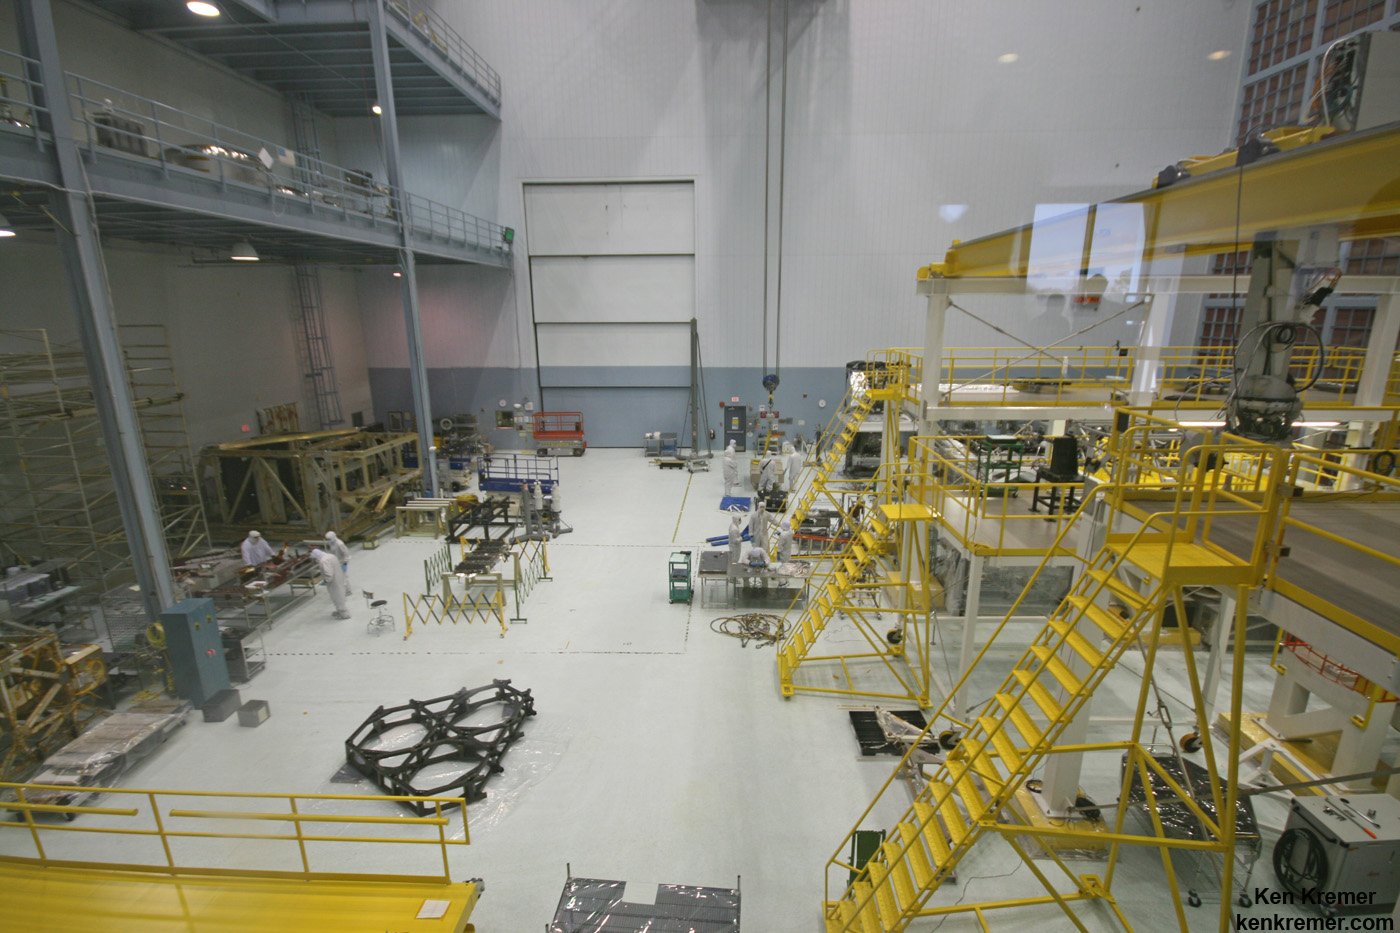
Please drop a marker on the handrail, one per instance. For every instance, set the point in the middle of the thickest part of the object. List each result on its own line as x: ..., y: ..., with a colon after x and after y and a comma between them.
x: 432, y: 27
x: 109, y: 119
x: 154, y: 801
x: 941, y: 712
x: 19, y: 93
x: 971, y: 492
x: 1193, y: 373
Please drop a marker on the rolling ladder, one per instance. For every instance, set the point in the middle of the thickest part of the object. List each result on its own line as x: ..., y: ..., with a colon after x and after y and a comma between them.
x: 878, y: 534
x: 1018, y: 727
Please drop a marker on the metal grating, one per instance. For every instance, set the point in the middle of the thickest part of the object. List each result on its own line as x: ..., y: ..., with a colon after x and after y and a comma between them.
x: 320, y: 49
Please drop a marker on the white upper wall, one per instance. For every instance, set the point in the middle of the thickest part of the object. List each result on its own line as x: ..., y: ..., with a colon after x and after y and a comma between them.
x: 896, y: 108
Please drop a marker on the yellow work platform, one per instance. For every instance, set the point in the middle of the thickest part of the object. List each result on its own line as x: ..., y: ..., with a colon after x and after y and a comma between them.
x: 61, y: 900
x: 1190, y: 563
x: 906, y: 512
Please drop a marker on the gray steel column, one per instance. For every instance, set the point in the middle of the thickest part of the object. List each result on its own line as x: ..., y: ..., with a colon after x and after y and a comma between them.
x: 417, y: 371
x: 78, y: 244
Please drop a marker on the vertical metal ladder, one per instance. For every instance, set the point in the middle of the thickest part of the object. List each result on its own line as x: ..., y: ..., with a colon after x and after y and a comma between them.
x: 313, y: 343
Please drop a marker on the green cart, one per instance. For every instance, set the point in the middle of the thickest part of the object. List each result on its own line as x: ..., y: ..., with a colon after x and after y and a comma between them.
x: 679, y: 576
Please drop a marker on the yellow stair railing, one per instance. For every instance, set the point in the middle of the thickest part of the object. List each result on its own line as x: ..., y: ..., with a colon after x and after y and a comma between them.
x: 1009, y: 737
x: 876, y: 559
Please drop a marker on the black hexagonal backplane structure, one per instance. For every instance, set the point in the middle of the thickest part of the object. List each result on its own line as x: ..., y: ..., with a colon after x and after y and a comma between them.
x: 446, y: 740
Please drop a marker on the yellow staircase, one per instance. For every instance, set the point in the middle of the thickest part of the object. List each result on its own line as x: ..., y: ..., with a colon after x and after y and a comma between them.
x: 841, y: 431
x: 1008, y: 738
x: 857, y: 567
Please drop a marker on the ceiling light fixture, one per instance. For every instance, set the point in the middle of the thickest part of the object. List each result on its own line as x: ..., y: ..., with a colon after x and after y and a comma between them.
x: 243, y: 252
x: 1218, y: 55
x: 398, y: 274
x: 376, y: 110
x: 1008, y: 58
x: 5, y: 229
x: 200, y: 8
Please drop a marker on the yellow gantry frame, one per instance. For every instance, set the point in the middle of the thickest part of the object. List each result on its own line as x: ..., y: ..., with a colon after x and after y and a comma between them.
x: 1348, y: 182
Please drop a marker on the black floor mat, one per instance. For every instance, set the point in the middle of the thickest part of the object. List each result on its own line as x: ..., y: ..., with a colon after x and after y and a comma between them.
x: 872, y: 738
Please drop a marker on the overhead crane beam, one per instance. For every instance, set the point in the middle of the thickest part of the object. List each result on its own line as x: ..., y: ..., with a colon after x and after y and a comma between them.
x: 1349, y: 182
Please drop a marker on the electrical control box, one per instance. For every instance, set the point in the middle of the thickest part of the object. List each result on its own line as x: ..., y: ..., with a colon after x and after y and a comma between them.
x: 1357, y: 854
x: 196, y: 650
x: 1361, y: 82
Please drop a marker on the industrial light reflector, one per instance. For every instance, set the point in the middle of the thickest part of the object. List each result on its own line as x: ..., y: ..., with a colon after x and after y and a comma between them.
x: 243, y: 251
x: 201, y: 8
x: 376, y: 110
x: 5, y: 229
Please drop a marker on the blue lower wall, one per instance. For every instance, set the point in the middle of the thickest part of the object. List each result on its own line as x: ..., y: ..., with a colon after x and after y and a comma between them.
x: 614, y: 414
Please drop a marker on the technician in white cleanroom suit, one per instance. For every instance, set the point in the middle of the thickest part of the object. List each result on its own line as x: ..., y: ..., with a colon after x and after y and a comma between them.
x: 770, y: 477
x: 731, y: 470
x: 794, y: 466
x: 255, y: 550
x: 758, y: 525
x: 342, y: 554
x: 335, y: 581
x: 736, y: 539
x: 785, y: 542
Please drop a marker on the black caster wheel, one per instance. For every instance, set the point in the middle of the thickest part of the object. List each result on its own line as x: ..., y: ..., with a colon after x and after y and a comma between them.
x: 1190, y: 742
x: 70, y: 817
x: 1034, y: 785
x: 1244, y: 900
x: 948, y: 740
x: 894, y: 636
x: 541, y: 452
x: 1193, y: 899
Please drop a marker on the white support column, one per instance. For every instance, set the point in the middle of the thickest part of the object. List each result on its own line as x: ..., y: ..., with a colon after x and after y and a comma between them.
x: 972, y: 608
x: 937, y: 291
x: 1380, y: 351
x: 1219, y: 634
x: 1156, y: 329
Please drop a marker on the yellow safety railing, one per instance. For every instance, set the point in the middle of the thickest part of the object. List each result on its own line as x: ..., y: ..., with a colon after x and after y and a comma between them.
x: 1244, y: 472
x: 1178, y: 521
x: 1191, y: 375
x: 1203, y: 374
x: 892, y: 373
x: 985, y: 512
x: 161, y: 815
x: 1392, y: 382
x: 483, y: 601
x: 1059, y: 375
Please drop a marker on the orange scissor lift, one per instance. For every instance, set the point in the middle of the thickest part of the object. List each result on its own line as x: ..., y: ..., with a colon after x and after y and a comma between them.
x: 559, y: 432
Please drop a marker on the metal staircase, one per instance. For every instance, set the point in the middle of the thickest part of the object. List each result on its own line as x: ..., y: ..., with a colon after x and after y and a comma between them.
x: 884, y: 542
x: 1003, y: 743
x: 841, y: 431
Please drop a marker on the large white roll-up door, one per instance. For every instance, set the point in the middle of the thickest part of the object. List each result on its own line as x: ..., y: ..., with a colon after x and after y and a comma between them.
x: 612, y: 283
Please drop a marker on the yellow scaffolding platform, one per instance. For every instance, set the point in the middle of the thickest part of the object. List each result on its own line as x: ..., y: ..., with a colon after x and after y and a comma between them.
x: 60, y: 900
